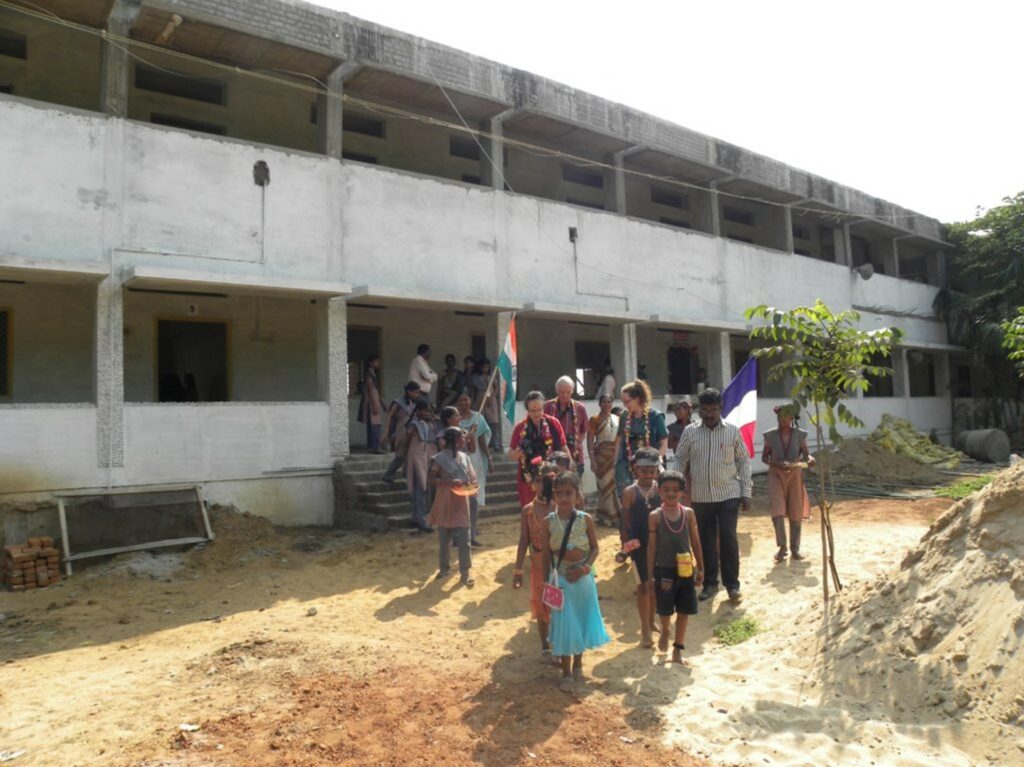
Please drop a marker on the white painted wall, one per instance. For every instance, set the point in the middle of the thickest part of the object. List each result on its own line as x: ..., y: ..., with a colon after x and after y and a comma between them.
x: 365, y: 224
x: 197, y: 443
x: 47, y: 447
x: 301, y: 500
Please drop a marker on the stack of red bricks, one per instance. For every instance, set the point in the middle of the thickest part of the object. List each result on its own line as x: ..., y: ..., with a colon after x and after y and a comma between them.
x: 31, y: 565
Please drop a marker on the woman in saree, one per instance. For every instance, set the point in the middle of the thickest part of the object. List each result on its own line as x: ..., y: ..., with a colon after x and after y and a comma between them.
x: 601, y: 434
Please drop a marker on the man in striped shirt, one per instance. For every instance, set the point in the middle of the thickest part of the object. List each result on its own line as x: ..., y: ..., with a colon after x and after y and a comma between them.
x: 715, y: 461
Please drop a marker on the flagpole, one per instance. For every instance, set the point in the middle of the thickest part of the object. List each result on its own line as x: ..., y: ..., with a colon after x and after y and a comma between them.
x: 494, y: 367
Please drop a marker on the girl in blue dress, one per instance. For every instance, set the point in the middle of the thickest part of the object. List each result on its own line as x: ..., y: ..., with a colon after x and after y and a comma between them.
x: 578, y: 626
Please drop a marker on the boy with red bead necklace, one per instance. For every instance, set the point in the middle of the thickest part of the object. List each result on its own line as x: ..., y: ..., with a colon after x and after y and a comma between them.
x: 675, y: 561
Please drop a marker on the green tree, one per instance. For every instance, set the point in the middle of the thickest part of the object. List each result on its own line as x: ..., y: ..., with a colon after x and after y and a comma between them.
x: 830, y: 358
x: 985, y: 285
x: 1013, y: 340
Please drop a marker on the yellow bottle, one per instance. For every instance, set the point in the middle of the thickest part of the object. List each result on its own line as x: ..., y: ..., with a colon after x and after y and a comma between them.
x: 684, y: 564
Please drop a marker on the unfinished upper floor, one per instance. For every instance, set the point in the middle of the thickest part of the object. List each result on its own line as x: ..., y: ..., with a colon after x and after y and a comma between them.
x: 301, y: 78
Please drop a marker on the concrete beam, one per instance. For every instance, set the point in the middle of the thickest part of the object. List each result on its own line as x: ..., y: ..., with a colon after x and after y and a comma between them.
x: 114, y: 66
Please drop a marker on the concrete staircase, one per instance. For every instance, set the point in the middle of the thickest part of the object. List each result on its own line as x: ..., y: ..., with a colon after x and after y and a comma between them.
x: 363, y: 501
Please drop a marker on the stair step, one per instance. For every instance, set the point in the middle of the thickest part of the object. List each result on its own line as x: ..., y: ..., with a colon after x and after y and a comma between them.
x: 373, y: 474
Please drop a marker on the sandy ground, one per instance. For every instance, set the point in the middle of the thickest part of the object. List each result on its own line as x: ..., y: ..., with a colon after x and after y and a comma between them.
x: 396, y: 668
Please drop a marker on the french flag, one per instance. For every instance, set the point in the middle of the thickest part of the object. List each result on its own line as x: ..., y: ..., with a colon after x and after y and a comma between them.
x: 739, y: 402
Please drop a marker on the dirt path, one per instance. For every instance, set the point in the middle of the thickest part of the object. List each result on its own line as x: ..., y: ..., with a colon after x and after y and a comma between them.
x: 397, y: 668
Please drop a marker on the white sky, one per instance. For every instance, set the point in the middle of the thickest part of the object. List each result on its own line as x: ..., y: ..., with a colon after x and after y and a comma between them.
x: 920, y: 103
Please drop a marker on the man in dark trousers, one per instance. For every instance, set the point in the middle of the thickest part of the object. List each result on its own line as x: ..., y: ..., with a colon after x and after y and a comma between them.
x: 714, y: 459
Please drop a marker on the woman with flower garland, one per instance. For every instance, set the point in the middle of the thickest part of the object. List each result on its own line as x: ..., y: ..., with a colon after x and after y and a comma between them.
x: 639, y: 426
x: 533, y: 439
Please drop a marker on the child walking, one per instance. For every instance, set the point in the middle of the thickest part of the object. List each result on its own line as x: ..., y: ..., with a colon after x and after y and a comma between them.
x: 638, y: 501
x: 451, y: 469
x: 571, y: 548
x: 675, y: 561
x: 533, y: 531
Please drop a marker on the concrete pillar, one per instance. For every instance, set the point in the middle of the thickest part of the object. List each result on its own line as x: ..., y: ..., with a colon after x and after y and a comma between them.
x: 332, y: 370
x: 622, y: 340
x: 620, y: 183
x: 108, y: 369
x: 901, y: 374
x: 719, y: 362
x: 330, y: 111
x: 114, y: 65
x: 841, y: 242
x: 936, y: 267
x: 713, y: 210
x: 943, y: 376
x: 787, y: 224
x: 492, y: 173
x: 890, y: 256
x: 700, y: 205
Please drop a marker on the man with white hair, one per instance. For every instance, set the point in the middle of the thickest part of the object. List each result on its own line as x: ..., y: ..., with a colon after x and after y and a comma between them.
x: 573, y: 417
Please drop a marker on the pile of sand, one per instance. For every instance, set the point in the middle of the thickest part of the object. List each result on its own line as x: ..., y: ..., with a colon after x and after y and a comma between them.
x: 858, y: 461
x: 941, y: 640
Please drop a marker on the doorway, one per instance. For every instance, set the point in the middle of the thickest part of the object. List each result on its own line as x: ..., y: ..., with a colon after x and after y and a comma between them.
x: 192, y: 361
x: 682, y: 370
x: 362, y: 342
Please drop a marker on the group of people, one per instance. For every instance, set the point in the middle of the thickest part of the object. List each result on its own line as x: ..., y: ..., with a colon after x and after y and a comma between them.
x: 675, y: 492
x: 475, y: 379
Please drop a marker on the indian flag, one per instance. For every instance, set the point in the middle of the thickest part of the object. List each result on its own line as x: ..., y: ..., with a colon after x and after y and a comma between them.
x: 507, y: 367
x: 739, y: 402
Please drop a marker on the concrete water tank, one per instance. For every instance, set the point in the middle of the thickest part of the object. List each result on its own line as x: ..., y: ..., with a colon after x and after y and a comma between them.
x: 989, y: 445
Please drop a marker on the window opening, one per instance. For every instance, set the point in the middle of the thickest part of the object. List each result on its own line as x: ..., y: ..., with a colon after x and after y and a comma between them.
x: 367, y: 126
x: 576, y: 175
x: 157, y: 81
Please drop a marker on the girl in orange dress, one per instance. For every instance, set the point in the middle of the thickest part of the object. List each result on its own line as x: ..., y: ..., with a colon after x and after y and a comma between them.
x: 532, y: 532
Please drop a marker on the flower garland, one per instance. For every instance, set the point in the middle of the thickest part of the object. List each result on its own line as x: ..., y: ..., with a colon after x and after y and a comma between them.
x: 527, y: 446
x: 645, y: 437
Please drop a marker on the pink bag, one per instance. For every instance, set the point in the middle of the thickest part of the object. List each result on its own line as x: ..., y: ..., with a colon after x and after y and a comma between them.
x: 551, y: 594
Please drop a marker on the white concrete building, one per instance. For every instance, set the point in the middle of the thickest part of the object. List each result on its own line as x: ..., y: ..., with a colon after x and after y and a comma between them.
x: 145, y: 257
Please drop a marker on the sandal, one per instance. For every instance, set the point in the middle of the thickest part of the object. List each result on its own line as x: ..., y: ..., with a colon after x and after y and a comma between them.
x: 797, y: 555
x: 781, y: 555
x: 566, y: 684
x: 468, y: 582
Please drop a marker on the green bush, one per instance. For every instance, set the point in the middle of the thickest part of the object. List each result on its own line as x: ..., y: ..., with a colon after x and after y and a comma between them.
x: 964, y: 487
x: 736, y: 631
